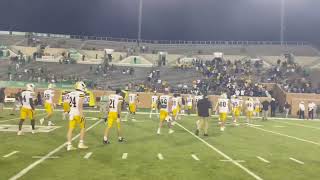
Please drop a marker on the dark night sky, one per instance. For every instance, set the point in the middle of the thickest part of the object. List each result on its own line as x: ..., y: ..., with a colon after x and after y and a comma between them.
x: 166, y: 19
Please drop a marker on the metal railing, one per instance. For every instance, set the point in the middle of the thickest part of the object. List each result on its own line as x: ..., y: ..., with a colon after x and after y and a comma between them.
x: 167, y: 42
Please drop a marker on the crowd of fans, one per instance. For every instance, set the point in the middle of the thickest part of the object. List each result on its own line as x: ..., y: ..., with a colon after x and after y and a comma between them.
x: 241, y: 77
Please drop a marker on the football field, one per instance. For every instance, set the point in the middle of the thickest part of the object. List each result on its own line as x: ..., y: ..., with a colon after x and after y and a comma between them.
x: 275, y: 149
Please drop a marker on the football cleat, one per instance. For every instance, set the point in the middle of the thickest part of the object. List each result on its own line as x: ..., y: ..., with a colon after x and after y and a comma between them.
x: 106, y: 142
x: 70, y: 148
x: 82, y: 146
x: 50, y: 123
x: 158, y: 131
x: 121, y: 139
x: 205, y: 135
x: 197, y: 132
x: 33, y: 131
x: 41, y: 121
x: 19, y: 133
x: 221, y: 128
x: 171, y: 131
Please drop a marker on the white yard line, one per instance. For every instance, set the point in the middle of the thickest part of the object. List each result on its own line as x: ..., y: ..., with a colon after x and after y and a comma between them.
x: 87, y: 156
x: 295, y: 124
x: 124, y: 155
x: 255, y: 176
x: 263, y: 160
x: 160, y: 157
x: 195, y: 157
x: 295, y: 160
x: 279, y: 126
x: 51, y: 157
x: 34, y: 164
x: 227, y: 160
x: 288, y: 136
x: 19, y: 118
x: 10, y: 154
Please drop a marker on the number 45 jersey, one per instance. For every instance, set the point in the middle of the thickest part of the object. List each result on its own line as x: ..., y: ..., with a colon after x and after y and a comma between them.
x: 74, y: 98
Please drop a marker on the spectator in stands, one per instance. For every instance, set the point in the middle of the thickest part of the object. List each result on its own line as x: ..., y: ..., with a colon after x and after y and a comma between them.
x: 287, y: 108
x: 301, y: 110
x: 2, y: 98
x: 265, y: 109
x: 273, y: 107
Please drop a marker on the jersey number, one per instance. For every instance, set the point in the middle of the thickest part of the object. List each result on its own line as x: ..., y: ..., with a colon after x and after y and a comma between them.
x: 111, y: 104
x: 223, y: 104
x: 73, y: 102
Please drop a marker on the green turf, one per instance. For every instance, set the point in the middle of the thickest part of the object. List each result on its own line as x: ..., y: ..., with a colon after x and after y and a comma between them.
x: 142, y: 145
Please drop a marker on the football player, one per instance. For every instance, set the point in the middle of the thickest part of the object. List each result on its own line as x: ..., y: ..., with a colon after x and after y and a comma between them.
x: 76, y: 115
x: 236, y: 108
x: 28, y: 107
x: 114, y: 108
x: 257, y: 107
x: 175, y: 107
x: 165, y: 103
x: 196, y: 99
x: 65, y: 105
x: 222, y: 107
x: 133, y: 99
x: 154, y: 103
x: 48, y: 105
x: 249, y: 109
x: 189, y: 104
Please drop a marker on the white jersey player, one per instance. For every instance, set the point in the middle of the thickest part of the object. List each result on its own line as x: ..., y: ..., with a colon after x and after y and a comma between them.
x: 222, y: 107
x: 76, y: 115
x: 154, y: 104
x: 48, y: 104
x: 165, y: 102
x: 115, y: 103
x: 27, y: 109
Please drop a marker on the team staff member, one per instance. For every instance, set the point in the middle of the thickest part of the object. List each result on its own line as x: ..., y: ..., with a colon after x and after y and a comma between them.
x: 115, y: 104
x: 302, y: 108
x: 28, y: 107
x: 2, y: 98
x: 204, y: 112
x: 76, y: 115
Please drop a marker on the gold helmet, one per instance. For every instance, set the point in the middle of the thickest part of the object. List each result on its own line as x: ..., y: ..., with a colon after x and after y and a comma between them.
x: 30, y: 87
x: 224, y: 95
x: 81, y: 86
x: 50, y: 86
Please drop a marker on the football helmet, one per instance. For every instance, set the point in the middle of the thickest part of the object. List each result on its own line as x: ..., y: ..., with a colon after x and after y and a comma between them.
x: 81, y: 86
x: 30, y: 87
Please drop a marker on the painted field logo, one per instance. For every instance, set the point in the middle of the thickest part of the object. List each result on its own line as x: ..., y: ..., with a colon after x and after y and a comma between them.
x: 14, y: 128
